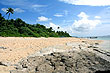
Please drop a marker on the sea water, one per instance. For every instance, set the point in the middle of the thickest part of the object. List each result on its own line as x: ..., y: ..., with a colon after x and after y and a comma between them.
x: 106, y: 44
x: 103, y: 38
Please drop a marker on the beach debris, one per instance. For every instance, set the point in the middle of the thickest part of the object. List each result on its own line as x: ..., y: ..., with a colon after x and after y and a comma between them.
x: 1, y: 63
x: 3, y: 48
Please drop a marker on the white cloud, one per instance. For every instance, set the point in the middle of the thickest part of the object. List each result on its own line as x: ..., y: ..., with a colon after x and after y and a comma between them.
x: 58, y: 15
x: 65, y: 12
x: 83, y: 15
x: 97, y: 17
x: 19, y: 10
x: 55, y: 27
x: 84, y: 24
x: 15, y: 10
x: 4, y: 9
x: 36, y: 5
x: 38, y: 8
x: 88, y: 2
x: 42, y: 18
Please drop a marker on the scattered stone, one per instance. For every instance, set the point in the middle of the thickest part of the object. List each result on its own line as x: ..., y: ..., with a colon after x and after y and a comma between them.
x: 96, y: 43
x: 84, y: 41
x: 79, y: 46
x: 91, y: 46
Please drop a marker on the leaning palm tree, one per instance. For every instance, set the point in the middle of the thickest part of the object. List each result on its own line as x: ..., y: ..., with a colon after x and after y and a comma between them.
x: 9, y: 11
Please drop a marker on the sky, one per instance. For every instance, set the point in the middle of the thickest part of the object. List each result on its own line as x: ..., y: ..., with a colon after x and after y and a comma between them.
x: 77, y: 17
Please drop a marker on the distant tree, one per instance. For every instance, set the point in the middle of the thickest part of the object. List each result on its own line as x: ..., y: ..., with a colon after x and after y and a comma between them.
x: 58, y: 27
x: 40, y: 26
x: 19, y: 23
x: 49, y: 29
x: 9, y: 11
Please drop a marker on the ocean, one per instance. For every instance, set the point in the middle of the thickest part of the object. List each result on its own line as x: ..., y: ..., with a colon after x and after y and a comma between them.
x: 100, y: 38
x: 106, y: 44
x: 103, y: 38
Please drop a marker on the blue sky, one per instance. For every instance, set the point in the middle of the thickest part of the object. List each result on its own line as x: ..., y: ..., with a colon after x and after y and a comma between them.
x: 77, y: 17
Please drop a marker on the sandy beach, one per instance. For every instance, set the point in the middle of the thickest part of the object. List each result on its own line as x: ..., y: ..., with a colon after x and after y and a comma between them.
x: 14, y: 49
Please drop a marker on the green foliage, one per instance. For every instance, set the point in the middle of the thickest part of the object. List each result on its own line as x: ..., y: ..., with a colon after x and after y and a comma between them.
x: 18, y: 28
x: 18, y: 23
x: 63, y: 34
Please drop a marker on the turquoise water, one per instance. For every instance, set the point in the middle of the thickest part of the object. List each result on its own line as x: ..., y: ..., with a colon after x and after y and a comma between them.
x: 106, y: 44
x: 103, y: 38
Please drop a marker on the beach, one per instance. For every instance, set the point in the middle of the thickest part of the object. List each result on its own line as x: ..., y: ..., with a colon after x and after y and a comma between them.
x: 54, y: 36
x: 14, y: 51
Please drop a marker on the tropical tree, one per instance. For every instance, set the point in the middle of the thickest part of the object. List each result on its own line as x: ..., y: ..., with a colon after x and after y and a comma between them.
x: 9, y: 11
x: 20, y: 28
x: 58, y: 27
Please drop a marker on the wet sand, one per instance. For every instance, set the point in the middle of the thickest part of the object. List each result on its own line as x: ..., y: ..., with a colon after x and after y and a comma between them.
x: 105, y: 45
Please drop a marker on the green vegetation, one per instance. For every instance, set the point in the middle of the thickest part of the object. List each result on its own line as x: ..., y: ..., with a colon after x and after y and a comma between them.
x: 18, y: 28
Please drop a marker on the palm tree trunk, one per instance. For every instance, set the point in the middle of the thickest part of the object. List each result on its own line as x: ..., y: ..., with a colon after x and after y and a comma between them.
x: 5, y: 14
x: 8, y: 16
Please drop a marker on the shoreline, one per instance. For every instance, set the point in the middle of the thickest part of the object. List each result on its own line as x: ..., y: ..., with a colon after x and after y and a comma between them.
x: 99, y: 61
x: 45, y: 46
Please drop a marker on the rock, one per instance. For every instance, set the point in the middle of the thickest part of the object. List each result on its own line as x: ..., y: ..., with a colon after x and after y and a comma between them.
x: 102, y: 52
x: 84, y: 41
x: 36, y: 60
x: 65, y: 62
x: 96, y: 43
x: 79, y: 46
x: 92, y: 46
x: 45, y: 68
x: 107, y: 71
x: 24, y: 66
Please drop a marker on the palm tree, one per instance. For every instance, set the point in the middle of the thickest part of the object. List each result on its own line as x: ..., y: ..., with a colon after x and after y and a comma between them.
x: 9, y: 11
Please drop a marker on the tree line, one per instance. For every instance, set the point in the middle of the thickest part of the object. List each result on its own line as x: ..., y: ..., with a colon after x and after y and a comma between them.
x: 19, y: 28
